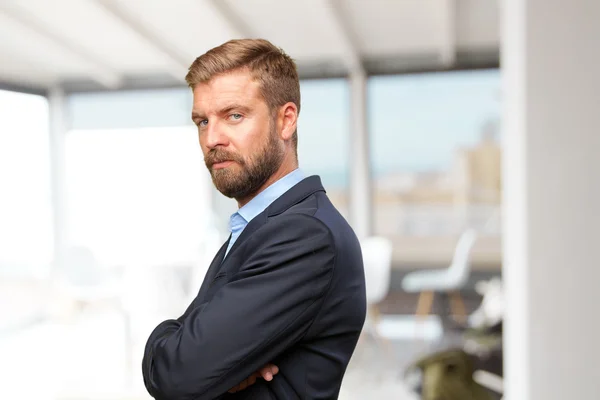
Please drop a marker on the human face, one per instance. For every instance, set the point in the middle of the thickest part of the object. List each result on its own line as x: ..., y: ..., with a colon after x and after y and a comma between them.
x: 237, y: 134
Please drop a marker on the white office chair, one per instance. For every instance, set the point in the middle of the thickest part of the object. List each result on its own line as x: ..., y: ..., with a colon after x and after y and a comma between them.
x: 377, y: 259
x: 450, y: 280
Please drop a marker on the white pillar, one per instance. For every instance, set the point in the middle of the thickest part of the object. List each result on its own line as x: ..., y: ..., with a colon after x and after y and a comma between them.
x: 551, y: 88
x: 58, y: 130
x: 360, y: 209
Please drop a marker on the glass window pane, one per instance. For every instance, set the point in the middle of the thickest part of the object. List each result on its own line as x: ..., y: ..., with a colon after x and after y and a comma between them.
x: 26, y: 245
x: 130, y: 109
x: 323, y: 134
x: 435, y: 152
x: 137, y: 195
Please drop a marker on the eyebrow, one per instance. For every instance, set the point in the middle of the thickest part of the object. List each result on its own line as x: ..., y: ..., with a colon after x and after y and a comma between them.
x: 232, y: 107
x: 225, y: 110
x: 196, y: 116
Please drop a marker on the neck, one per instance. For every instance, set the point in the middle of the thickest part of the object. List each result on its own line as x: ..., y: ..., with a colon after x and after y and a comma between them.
x: 286, y: 167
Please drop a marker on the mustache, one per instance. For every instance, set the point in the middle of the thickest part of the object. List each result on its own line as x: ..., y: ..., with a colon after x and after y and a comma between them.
x: 217, y: 156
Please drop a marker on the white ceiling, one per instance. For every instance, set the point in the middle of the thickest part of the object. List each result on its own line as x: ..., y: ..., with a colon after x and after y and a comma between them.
x: 116, y: 43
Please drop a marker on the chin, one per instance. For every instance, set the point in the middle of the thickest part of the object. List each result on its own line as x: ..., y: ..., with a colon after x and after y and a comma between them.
x: 223, y: 185
x: 231, y: 194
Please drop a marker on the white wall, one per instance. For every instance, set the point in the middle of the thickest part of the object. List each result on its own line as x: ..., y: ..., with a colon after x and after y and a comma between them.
x: 551, y: 58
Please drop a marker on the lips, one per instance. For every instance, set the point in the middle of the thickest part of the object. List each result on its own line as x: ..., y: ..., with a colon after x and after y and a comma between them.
x: 221, y: 164
x: 219, y: 159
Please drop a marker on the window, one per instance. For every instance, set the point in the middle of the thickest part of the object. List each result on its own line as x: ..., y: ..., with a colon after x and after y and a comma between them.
x: 435, y: 152
x: 323, y: 135
x: 137, y: 195
x: 26, y: 241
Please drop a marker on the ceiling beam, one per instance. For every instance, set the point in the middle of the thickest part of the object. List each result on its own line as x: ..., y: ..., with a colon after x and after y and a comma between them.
x: 415, y: 63
x: 448, y: 33
x: 99, y: 70
x: 239, y: 28
x: 346, y: 35
x: 177, y: 63
x: 22, y: 88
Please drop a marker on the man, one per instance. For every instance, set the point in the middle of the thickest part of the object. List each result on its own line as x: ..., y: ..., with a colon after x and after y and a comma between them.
x: 282, y: 305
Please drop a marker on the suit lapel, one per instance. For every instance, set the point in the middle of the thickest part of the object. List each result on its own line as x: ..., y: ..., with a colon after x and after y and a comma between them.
x: 215, y: 265
x: 297, y: 193
x: 252, y: 226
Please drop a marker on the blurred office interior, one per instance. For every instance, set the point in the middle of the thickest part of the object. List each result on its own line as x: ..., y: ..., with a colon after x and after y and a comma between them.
x: 458, y: 137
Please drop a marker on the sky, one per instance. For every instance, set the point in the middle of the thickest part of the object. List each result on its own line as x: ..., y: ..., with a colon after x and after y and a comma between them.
x: 415, y: 121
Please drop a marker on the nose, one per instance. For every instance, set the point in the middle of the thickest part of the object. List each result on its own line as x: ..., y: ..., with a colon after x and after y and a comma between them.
x: 215, y: 136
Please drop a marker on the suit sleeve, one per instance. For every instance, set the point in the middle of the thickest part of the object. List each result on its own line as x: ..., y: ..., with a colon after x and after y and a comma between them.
x: 263, y: 310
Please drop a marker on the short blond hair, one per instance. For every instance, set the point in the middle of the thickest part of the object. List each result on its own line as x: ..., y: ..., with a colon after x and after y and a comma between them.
x: 275, y: 71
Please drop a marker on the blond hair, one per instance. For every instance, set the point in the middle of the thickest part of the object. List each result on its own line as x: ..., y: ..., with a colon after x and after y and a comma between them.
x: 274, y: 70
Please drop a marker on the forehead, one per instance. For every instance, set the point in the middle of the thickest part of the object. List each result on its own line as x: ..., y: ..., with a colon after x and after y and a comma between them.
x: 233, y: 87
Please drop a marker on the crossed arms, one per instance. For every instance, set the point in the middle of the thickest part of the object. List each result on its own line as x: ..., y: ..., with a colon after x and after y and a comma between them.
x: 261, y: 312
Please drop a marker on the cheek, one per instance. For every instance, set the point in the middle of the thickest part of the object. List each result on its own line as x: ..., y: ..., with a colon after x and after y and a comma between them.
x: 203, y: 149
x: 243, y: 144
x: 256, y: 139
x: 250, y: 150
x: 202, y: 144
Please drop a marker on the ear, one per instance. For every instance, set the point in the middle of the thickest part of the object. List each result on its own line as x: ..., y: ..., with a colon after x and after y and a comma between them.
x: 287, y: 120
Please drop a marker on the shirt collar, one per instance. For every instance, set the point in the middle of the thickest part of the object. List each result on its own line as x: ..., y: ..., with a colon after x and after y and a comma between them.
x: 264, y: 199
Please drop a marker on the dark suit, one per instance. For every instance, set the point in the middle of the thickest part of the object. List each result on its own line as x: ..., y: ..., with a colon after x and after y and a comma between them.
x: 291, y: 292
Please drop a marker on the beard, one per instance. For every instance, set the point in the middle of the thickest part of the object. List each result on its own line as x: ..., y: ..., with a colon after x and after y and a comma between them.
x: 251, y: 174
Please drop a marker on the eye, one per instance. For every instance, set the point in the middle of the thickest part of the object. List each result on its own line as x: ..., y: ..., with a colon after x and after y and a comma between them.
x: 203, y: 123
x: 235, y: 116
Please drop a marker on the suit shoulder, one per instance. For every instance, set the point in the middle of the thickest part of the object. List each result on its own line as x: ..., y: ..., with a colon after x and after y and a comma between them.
x: 303, y: 223
x: 308, y: 206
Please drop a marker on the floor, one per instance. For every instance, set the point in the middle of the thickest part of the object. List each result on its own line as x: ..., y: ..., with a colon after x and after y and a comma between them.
x: 377, y: 368
x: 83, y: 359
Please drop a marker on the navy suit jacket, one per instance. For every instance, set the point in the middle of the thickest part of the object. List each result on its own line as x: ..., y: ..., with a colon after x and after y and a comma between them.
x: 291, y: 292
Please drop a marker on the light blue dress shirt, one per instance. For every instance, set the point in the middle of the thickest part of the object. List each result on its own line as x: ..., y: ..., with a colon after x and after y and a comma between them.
x: 244, y: 215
